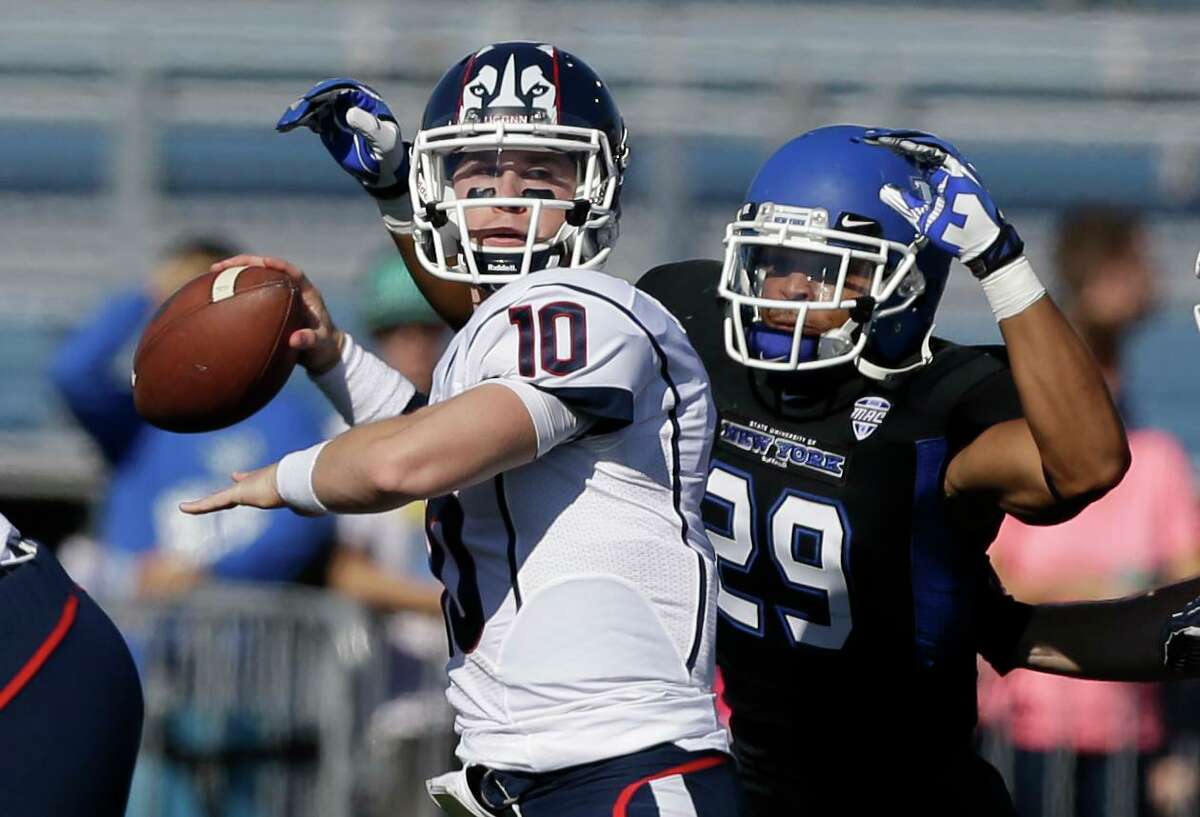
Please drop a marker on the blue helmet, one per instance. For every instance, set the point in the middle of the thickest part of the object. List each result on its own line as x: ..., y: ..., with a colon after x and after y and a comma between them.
x: 814, y: 207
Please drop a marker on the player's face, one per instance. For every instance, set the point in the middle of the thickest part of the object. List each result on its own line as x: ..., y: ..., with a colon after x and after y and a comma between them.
x: 799, y: 275
x: 525, y: 174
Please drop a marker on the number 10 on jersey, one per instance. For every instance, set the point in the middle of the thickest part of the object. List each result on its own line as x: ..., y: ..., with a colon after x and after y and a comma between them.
x: 805, y: 536
x: 561, y: 328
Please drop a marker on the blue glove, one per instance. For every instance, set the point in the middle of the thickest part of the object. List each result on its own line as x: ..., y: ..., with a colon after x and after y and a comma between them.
x: 1181, y: 640
x: 959, y: 216
x: 357, y: 129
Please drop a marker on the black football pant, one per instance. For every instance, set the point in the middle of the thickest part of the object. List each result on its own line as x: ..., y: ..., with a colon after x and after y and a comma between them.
x: 662, y: 781
x: 781, y: 783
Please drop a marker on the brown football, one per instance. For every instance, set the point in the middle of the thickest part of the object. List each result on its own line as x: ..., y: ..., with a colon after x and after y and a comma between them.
x: 217, y: 350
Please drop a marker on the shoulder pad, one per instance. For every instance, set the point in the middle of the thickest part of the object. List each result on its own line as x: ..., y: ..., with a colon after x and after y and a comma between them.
x: 688, y: 290
x: 955, y: 370
x: 681, y: 277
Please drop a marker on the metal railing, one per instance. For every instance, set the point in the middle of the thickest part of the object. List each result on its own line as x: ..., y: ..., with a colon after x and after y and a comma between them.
x: 266, y: 701
x: 259, y: 702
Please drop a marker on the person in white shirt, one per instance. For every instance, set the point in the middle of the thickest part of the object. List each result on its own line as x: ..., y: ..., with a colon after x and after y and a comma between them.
x: 564, y: 451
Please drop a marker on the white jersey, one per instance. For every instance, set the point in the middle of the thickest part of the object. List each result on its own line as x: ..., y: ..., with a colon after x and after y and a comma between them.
x: 581, y: 587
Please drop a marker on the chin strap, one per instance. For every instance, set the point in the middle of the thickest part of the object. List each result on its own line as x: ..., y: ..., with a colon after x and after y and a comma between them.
x: 876, y: 372
x: 776, y: 344
x: 840, y: 341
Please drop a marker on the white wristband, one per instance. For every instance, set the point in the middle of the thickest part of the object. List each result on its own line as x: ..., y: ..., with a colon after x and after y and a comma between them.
x: 362, y: 388
x: 1012, y: 289
x: 293, y: 480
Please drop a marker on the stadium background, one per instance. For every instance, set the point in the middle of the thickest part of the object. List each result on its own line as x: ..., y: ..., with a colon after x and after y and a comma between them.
x: 123, y: 124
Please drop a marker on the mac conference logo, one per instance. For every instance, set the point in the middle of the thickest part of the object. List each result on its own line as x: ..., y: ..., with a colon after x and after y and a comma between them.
x: 867, y: 415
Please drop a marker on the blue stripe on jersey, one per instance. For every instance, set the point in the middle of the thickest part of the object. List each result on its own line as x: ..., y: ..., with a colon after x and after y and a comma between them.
x: 502, y: 501
x: 676, y: 484
x: 691, y: 661
x: 611, y: 408
x: 936, y: 587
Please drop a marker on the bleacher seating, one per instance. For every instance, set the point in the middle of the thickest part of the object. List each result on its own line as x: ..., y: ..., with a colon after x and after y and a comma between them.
x: 123, y: 124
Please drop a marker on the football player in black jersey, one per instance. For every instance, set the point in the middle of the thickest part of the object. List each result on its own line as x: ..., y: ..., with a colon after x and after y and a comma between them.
x: 862, y: 467
x: 856, y: 589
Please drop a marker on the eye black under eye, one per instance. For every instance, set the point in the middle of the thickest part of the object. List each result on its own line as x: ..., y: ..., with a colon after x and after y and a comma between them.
x: 481, y: 193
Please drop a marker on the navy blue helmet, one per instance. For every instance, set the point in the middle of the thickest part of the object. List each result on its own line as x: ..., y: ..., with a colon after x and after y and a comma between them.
x: 518, y: 99
x: 814, y: 208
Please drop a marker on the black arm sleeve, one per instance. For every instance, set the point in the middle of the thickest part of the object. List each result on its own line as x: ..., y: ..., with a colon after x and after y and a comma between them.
x: 1000, y: 619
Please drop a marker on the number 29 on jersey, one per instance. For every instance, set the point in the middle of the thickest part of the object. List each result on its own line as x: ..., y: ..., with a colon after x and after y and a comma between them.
x: 807, y: 539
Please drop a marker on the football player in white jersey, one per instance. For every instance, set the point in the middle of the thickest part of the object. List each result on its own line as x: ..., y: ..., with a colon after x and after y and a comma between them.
x: 564, y: 451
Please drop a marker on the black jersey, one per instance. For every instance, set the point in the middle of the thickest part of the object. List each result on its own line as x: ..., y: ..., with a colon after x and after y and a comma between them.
x: 854, y: 597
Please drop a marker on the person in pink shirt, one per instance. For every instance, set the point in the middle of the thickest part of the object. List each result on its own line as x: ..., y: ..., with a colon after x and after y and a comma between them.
x: 1143, y: 534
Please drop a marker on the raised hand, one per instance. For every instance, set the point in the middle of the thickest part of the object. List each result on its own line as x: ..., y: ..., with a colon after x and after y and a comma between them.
x: 958, y: 216
x: 359, y: 131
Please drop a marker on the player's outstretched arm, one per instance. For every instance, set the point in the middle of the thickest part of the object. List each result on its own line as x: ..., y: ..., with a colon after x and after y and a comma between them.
x: 1070, y: 448
x: 1147, y: 637
x: 360, y: 132
x: 444, y: 447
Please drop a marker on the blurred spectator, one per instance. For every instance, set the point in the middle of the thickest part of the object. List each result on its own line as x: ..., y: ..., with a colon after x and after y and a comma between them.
x: 1144, y: 533
x: 381, y: 560
x: 149, y: 546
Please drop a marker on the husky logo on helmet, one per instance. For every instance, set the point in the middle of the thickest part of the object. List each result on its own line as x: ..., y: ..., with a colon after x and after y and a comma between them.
x: 510, y: 92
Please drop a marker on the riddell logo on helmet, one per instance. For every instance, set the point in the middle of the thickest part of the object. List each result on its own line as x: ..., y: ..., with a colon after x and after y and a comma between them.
x: 512, y: 94
x: 501, y: 266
